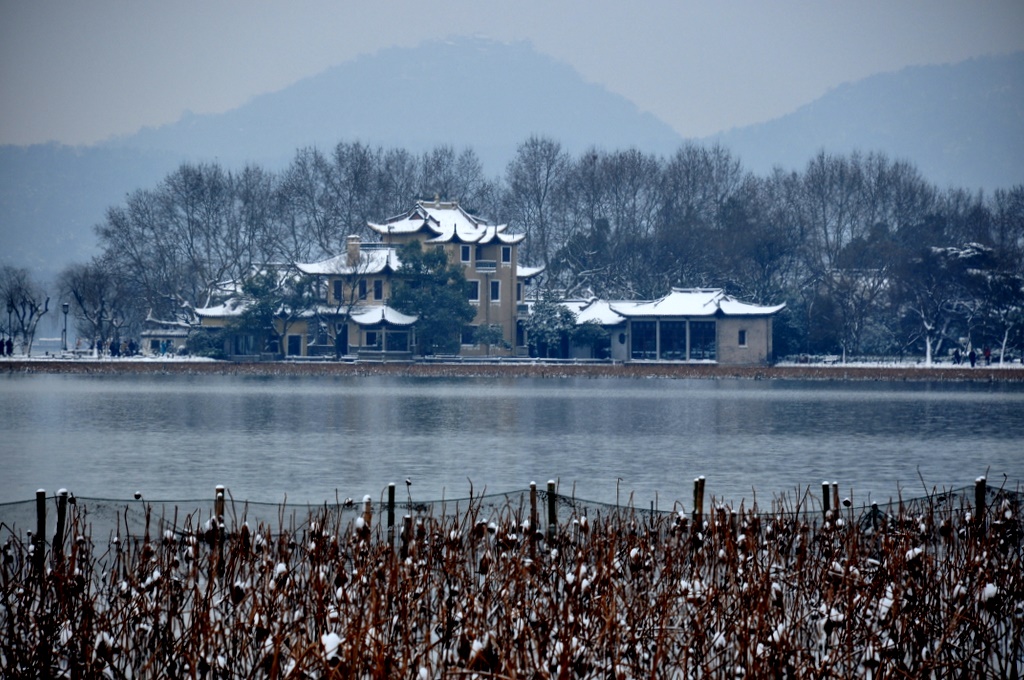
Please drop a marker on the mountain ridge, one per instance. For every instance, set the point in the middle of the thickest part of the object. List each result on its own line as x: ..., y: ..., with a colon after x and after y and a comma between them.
x: 960, y: 124
x: 491, y: 97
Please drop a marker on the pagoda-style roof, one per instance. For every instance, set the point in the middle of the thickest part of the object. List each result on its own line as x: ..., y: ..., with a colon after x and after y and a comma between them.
x: 445, y: 222
x: 694, y: 302
x: 373, y: 258
x: 372, y: 315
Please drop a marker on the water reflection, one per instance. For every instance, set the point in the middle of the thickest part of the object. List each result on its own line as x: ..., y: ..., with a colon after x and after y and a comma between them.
x: 313, y: 438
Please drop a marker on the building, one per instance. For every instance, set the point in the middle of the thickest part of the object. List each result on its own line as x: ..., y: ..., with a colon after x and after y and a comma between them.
x: 688, y: 324
x: 352, y: 316
x: 490, y: 259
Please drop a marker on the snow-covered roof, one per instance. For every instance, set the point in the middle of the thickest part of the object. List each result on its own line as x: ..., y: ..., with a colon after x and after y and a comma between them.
x: 690, y: 302
x: 528, y: 272
x: 595, y: 310
x: 372, y: 315
x: 232, y: 307
x: 444, y: 222
x: 373, y: 259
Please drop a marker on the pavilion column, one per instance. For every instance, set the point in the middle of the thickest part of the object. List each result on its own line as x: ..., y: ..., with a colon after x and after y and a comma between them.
x: 687, y: 339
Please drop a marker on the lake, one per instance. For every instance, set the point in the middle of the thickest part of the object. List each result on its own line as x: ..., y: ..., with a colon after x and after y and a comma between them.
x: 315, y: 439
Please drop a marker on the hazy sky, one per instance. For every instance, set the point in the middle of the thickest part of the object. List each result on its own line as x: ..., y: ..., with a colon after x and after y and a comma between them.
x: 79, y: 72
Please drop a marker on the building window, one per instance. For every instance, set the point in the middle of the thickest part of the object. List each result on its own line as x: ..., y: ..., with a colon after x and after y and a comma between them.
x: 742, y: 340
x: 479, y: 252
x: 397, y: 341
x: 644, y: 340
x: 465, y: 253
x: 506, y: 254
x: 474, y: 291
x: 337, y: 290
x: 673, y: 340
x: 495, y: 291
x: 372, y: 338
x: 378, y: 289
x: 702, y: 340
x: 362, y: 289
x: 469, y: 335
x: 519, y: 292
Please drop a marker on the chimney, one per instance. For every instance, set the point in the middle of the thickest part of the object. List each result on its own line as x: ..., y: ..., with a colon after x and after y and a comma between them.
x: 353, y: 250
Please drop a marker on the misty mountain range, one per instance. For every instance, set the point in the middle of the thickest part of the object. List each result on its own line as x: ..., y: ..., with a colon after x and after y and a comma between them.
x: 961, y: 125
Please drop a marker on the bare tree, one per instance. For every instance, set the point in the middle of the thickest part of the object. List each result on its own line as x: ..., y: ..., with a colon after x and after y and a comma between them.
x: 26, y: 302
x: 536, y: 180
x: 99, y: 300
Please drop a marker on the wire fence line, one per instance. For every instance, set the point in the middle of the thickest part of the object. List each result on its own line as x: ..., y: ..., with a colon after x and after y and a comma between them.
x: 105, y: 518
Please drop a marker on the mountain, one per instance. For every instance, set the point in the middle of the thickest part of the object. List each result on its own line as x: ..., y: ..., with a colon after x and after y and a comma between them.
x: 474, y: 93
x: 470, y: 92
x: 961, y: 125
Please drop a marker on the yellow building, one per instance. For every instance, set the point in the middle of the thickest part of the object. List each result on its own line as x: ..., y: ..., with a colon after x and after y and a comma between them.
x: 359, y: 282
x: 352, y: 316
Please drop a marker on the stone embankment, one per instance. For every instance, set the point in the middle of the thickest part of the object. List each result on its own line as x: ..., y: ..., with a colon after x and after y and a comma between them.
x: 521, y: 369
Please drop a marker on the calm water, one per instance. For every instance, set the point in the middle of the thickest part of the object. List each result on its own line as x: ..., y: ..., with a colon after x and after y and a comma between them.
x: 315, y: 439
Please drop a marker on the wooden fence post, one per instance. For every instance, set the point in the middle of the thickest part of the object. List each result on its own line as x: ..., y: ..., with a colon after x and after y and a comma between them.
x: 534, y: 520
x: 58, y: 536
x: 391, y: 515
x: 698, y: 502
x: 825, y: 498
x: 39, y: 540
x: 979, y: 501
x: 835, y: 497
x: 552, y: 510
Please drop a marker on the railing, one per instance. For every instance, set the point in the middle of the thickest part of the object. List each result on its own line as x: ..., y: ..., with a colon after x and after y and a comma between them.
x: 486, y: 265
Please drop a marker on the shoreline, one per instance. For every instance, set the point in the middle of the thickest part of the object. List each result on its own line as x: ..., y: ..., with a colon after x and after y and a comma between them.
x: 522, y: 369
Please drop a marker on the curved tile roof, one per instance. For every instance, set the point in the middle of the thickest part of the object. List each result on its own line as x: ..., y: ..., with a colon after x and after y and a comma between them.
x: 445, y: 222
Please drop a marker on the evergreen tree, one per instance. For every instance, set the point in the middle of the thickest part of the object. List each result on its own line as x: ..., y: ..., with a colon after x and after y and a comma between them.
x: 436, y: 292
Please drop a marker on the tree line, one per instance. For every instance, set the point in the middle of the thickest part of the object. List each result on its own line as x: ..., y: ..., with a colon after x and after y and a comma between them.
x: 869, y: 257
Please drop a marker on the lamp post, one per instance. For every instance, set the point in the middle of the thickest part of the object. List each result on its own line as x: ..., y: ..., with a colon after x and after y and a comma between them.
x: 64, y: 334
x: 10, y: 328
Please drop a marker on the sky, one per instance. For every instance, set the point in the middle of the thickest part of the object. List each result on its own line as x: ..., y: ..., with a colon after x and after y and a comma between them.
x: 82, y: 72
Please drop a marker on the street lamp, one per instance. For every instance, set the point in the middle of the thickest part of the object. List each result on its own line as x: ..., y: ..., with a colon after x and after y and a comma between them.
x: 64, y: 335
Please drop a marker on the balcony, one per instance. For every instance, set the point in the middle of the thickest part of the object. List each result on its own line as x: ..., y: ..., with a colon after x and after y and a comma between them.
x: 486, y: 265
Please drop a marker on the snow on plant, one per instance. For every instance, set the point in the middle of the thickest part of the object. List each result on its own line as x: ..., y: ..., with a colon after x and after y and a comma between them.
x: 739, y: 594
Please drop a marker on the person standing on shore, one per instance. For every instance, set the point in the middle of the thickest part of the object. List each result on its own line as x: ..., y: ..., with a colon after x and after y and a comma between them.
x: 972, y: 357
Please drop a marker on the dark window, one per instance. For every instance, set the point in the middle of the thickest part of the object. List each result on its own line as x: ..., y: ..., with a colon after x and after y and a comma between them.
x: 519, y: 292
x: 397, y: 341
x: 742, y: 340
x: 362, y: 289
x: 378, y: 289
x: 337, y: 290
x: 469, y: 335
x: 644, y: 343
x: 673, y: 340
x: 495, y: 291
x: 479, y: 252
x: 506, y: 254
x: 474, y: 291
x: 702, y: 340
x: 465, y: 253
